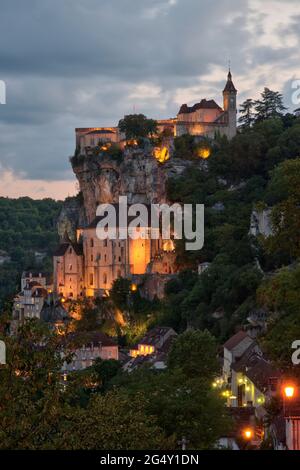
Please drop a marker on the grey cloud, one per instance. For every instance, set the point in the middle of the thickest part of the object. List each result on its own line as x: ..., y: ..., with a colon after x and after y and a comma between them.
x: 69, y: 64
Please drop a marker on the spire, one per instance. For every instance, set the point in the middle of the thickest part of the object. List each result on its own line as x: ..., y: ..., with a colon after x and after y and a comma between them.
x: 229, y: 87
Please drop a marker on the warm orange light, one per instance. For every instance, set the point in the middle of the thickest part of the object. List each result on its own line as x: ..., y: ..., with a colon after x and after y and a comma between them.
x: 62, y: 300
x: 132, y: 142
x: 161, y: 154
x: 248, y: 433
x: 203, y: 152
x: 168, y: 245
x: 133, y: 287
x: 289, y: 391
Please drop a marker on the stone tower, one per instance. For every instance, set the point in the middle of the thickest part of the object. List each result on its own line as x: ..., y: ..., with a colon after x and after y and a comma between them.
x: 229, y: 105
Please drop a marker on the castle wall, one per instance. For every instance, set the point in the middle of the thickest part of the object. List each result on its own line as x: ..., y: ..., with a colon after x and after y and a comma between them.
x: 200, y: 115
x: 201, y: 128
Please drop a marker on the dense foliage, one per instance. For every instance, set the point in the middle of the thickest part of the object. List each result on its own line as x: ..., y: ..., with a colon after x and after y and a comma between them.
x: 28, y: 235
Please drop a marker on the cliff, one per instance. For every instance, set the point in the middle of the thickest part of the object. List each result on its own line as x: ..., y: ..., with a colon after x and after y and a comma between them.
x: 102, y: 179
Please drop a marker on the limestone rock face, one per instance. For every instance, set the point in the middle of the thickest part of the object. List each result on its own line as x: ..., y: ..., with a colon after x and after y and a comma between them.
x: 139, y: 176
x: 71, y: 216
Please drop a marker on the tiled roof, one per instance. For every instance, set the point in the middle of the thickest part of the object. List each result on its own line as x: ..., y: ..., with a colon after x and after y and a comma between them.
x: 260, y: 372
x: 241, y: 364
x: 95, y: 338
x: 155, y: 334
x: 236, y: 339
x: 62, y: 248
x: 203, y: 104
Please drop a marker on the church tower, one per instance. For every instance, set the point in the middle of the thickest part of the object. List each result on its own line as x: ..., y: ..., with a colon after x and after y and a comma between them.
x: 229, y: 105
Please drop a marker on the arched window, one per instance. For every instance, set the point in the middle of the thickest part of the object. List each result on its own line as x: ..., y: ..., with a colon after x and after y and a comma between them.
x: 91, y: 242
x: 104, y: 278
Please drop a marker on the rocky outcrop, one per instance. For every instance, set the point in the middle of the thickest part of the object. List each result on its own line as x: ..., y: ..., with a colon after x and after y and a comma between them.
x: 260, y: 222
x: 139, y: 176
x: 71, y: 217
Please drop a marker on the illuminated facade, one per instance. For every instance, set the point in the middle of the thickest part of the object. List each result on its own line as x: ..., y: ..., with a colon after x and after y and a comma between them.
x: 89, y: 267
x: 205, y: 118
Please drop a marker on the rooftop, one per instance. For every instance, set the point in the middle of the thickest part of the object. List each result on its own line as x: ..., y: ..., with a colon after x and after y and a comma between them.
x: 203, y: 104
x: 62, y: 248
x: 236, y: 339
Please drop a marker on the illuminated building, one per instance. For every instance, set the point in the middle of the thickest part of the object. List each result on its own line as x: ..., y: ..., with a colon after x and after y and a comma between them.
x: 89, y: 266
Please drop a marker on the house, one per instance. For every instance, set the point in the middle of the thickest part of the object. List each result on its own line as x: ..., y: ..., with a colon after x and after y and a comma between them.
x: 40, y: 278
x: 234, y: 348
x: 152, y: 349
x: 153, y: 341
x: 86, y: 350
x: 254, y: 380
x: 251, y: 378
x: 29, y: 302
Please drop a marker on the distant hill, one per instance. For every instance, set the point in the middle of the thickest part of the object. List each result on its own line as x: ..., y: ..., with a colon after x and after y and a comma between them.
x: 28, y: 235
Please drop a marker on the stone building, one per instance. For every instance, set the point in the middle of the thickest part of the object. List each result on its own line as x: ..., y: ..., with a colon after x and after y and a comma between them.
x: 68, y: 269
x: 89, y: 267
x: 92, y: 136
x: 96, y: 345
x: 29, y: 302
x: 205, y: 118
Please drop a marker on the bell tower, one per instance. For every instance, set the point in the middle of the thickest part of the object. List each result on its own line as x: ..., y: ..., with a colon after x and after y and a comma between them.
x: 229, y: 105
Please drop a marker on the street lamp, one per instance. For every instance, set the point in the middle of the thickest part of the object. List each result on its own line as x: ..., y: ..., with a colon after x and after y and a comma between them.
x: 289, y: 394
x: 289, y: 391
x: 248, y: 434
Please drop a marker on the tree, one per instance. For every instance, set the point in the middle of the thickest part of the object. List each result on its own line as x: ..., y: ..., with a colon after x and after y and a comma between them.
x: 270, y: 105
x: 247, y: 118
x: 183, y: 406
x: 106, y: 370
x: 30, y: 392
x: 37, y: 412
x: 195, y: 353
x: 136, y: 126
x: 280, y: 296
x: 120, y: 293
x: 111, y: 421
x: 285, y: 215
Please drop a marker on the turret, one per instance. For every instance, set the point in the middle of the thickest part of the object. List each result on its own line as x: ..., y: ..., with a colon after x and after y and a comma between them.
x: 229, y: 104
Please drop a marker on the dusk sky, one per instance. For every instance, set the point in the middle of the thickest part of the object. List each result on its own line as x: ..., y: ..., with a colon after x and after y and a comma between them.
x: 80, y: 63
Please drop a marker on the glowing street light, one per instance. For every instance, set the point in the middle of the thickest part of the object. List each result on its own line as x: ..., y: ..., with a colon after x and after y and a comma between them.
x: 248, y: 434
x: 289, y: 391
